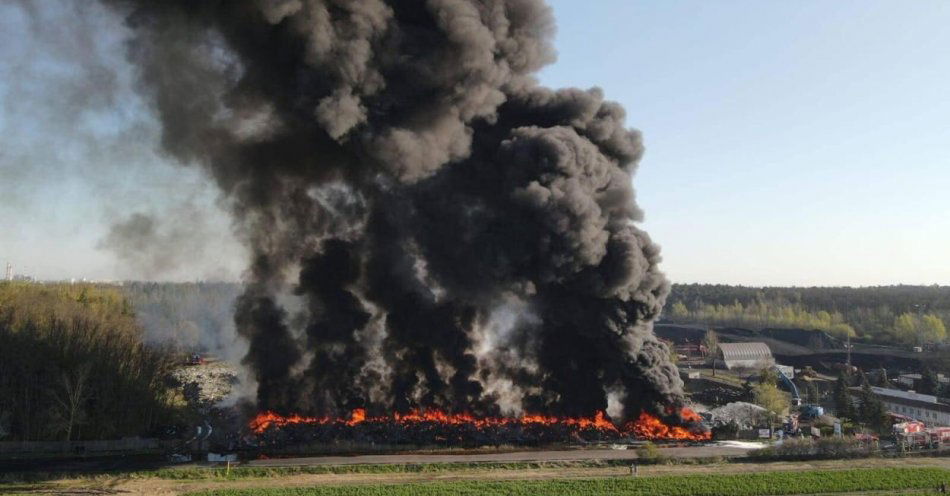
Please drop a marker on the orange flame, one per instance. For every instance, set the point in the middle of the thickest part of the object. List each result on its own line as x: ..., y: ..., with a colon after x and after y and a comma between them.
x: 650, y: 427
x: 357, y: 416
x: 266, y: 420
x: 645, y: 427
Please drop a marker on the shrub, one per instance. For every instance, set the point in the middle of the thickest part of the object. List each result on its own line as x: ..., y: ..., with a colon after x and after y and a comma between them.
x: 649, y: 453
x: 826, y: 447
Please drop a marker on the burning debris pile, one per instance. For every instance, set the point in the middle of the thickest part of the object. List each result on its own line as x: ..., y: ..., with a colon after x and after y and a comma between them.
x: 431, y: 229
x: 436, y: 427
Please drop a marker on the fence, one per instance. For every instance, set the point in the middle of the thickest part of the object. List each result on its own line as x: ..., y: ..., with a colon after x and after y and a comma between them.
x: 127, y: 444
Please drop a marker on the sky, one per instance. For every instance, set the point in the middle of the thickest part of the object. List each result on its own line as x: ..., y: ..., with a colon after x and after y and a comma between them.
x: 788, y: 143
x: 79, y: 154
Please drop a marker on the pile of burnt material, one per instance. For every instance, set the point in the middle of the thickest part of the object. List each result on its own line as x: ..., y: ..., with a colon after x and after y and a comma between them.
x: 714, y: 393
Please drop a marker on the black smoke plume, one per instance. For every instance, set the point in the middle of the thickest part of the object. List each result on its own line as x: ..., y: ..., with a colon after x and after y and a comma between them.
x: 460, y: 236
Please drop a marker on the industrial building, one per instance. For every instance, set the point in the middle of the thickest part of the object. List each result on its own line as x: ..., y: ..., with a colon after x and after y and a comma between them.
x: 923, y: 407
x: 745, y: 355
x: 913, y: 380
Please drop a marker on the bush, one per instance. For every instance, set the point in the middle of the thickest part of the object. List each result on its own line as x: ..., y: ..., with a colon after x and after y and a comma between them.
x: 649, y: 453
x: 841, y: 447
x: 803, y: 449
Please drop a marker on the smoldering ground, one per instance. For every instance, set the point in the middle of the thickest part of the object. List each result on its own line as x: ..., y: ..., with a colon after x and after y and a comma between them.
x: 397, y: 167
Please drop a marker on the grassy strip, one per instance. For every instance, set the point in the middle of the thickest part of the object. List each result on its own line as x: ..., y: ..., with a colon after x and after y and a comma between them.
x: 411, y: 468
x: 197, y: 473
x: 245, y: 472
x: 772, y: 483
x: 10, y: 489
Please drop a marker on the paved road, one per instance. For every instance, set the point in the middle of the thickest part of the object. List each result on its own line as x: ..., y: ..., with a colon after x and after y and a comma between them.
x: 518, y: 456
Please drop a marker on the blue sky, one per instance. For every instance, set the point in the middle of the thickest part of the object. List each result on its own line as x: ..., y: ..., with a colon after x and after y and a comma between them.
x: 803, y: 143
x: 788, y: 143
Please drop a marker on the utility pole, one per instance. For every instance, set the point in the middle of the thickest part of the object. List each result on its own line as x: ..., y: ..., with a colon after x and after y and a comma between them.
x: 917, y: 325
x: 849, y: 353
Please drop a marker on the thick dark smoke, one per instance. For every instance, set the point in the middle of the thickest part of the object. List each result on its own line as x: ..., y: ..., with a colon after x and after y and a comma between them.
x: 460, y: 236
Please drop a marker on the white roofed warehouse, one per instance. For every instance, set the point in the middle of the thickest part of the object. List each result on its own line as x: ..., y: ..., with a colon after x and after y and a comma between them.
x: 744, y: 355
x: 924, y: 407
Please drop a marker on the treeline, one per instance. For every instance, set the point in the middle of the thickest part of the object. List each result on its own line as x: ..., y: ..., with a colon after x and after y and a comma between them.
x: 73, y: 365
x: 901, y: 315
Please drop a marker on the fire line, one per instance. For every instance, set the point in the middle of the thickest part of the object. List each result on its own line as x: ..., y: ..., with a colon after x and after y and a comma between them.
x: 646, y: 426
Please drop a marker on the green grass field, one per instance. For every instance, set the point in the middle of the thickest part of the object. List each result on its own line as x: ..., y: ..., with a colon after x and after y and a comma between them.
x: 775, y: 483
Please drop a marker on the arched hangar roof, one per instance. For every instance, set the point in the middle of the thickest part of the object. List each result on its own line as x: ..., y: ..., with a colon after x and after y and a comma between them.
x: 744, y: 352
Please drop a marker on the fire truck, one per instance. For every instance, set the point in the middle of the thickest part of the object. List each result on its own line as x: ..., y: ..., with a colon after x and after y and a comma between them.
x: 915, y: 435
x: 940, y: 435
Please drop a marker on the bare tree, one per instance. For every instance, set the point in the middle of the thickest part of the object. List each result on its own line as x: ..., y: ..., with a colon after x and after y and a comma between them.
x: 70, y: 396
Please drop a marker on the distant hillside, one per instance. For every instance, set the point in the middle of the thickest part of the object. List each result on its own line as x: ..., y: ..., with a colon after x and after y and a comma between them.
x: 903, y: 315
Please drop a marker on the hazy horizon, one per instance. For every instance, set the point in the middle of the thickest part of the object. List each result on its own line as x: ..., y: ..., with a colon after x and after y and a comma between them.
x: 788, y: 145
